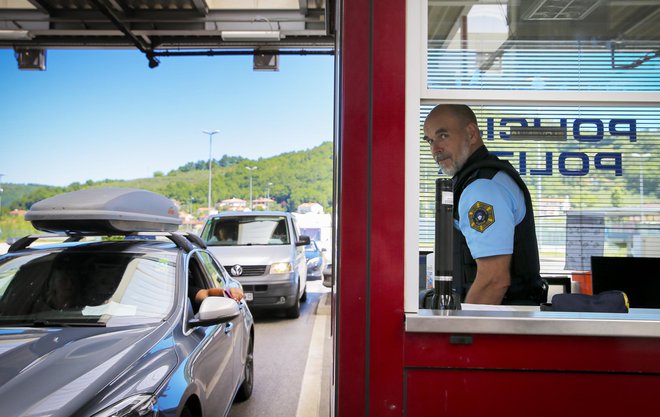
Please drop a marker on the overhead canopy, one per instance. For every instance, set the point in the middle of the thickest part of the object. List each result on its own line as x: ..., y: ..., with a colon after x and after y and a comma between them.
x: 155, y: 26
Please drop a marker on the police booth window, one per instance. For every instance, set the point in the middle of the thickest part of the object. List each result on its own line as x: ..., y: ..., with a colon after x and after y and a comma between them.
x: 569, y: 93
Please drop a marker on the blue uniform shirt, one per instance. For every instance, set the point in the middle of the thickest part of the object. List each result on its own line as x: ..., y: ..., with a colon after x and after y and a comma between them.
x: 489, y: 210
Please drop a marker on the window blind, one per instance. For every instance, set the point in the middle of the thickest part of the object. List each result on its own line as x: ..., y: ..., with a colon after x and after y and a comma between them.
x: 594, y: 185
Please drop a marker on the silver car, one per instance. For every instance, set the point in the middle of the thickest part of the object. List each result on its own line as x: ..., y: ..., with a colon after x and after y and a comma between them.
x: 265, y: 252
x: 106, y: 327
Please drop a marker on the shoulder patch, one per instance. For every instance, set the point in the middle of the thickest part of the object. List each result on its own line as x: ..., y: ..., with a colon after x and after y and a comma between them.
x: 481, y: 216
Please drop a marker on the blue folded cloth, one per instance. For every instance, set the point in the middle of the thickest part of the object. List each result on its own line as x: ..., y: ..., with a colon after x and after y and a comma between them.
x: 604, y: 302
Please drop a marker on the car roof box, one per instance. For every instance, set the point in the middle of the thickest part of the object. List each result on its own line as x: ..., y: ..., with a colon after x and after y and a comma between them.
x: 105, y: 210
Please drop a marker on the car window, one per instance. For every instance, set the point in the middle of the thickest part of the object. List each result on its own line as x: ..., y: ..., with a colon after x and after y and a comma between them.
x: 196, y: 274
x: 217, y: 274
x: 198, y: 279
x: 247, y: 230
x: 86, y: 287
x: 311, y: 248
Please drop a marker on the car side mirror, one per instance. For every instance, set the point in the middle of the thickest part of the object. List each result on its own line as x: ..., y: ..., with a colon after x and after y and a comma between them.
x: 303, y: 240
x: 215, y: 310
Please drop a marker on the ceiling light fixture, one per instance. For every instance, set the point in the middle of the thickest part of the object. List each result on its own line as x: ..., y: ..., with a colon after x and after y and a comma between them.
x: 250, y: 35
x: 560, y: 9
x: 18, y: 35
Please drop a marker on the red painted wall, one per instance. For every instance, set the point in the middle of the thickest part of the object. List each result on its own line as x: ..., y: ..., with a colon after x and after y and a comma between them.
x: 517, y: 375
x: 526, y: 393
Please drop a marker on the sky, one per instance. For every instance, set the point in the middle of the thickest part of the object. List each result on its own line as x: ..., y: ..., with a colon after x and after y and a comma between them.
x: 104, y: 114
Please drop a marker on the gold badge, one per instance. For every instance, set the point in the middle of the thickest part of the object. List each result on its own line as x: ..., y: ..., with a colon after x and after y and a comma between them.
x: 481, y: 216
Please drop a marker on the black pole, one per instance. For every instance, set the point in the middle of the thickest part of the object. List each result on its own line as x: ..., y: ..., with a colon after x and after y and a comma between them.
x: 443, y: 296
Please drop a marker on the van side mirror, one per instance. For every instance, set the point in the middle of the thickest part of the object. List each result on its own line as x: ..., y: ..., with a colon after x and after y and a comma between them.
x: 303, y: 240
x: 327, y: 276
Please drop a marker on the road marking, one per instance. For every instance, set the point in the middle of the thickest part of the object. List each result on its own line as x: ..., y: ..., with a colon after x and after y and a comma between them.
x: 310, y: 392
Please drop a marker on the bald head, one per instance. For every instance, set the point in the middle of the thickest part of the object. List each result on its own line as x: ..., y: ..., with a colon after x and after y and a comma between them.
x: 460, y: 112
x: 453, y: 134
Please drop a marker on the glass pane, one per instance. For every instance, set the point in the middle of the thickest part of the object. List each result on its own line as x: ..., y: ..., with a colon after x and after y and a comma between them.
x: 246, y: 230
x: 593, y: 174
x: 544, y: 45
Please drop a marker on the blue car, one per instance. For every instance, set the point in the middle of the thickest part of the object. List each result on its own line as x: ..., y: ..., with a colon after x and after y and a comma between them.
x: 98, y: 326
x: 315, y: 260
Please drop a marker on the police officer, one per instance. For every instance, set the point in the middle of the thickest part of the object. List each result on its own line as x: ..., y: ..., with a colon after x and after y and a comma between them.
x: 496, y: 258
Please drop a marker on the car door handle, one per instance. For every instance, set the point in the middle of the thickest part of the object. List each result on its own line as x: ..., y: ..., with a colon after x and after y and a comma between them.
x: 228, y: 327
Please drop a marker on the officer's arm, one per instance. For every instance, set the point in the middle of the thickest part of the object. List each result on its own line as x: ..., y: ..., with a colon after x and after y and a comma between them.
x: 492, y: 281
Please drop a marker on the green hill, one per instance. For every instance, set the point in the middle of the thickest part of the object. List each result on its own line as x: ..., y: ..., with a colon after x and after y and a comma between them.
x: 290, y: 179
x: 14, y: 192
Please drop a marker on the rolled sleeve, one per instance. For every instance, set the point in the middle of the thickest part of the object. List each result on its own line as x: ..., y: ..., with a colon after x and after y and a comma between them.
x: 487, y: 220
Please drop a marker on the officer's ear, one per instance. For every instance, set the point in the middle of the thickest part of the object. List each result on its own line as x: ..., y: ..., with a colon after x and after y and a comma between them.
x: 473, y: 132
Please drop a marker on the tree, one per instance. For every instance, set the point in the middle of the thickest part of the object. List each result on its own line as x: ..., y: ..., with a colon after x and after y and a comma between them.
x: 617, y: 197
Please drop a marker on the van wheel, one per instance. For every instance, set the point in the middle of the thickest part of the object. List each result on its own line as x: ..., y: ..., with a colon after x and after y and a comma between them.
x: 293, y: 312
x: 304, y: 296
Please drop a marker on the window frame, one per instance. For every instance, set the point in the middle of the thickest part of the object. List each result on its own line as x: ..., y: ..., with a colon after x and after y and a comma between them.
x: 418, y: 94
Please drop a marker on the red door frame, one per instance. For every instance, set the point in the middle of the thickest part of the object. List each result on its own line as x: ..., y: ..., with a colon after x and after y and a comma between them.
x: 369, y: 297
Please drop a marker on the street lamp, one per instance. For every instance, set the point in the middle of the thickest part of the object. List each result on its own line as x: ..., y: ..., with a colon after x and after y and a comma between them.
x: 268, y: 190
x: 641, y: 156
x: 250, y: 169
x: 192, y: 199
x: 210, y: 133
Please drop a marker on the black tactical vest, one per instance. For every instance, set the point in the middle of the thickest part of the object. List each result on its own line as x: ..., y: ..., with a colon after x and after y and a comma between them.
x: 526, y: 285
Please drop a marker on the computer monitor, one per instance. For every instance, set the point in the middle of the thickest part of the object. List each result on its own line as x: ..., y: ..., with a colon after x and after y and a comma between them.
x: 639, y: 278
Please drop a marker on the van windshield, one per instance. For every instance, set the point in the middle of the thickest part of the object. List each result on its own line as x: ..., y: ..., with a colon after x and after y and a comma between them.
x: 247, y: 230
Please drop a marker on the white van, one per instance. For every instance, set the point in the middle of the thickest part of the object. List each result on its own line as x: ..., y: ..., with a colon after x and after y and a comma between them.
x: 265, y: 252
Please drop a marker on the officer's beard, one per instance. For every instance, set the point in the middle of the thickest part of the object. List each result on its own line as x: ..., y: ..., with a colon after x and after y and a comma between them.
x: 451, y: 165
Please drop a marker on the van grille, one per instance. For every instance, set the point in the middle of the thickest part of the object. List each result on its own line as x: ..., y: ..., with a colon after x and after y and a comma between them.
x: 248, y: 270
x: 255, y: 288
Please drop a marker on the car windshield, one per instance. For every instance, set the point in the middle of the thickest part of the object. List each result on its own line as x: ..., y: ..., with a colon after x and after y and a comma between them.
x: 246, y: 230
x: 76, y: 287
x: 311, y: 250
